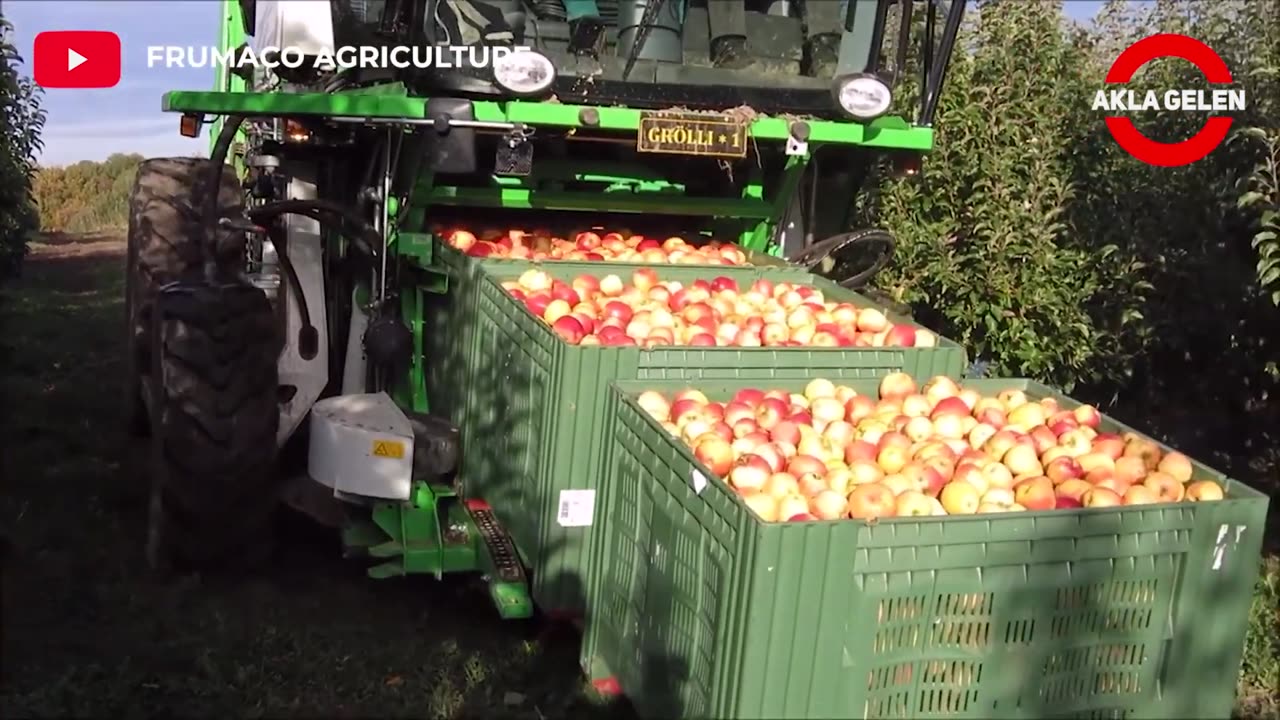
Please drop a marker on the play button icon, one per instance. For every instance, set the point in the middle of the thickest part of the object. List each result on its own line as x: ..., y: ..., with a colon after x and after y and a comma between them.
x: 76, y: 59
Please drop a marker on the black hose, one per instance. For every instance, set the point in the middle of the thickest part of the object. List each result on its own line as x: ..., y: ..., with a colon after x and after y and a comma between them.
x: 364, y: 240
x: 828, y: 251
x: 308, y: 336
x: 217, y: 159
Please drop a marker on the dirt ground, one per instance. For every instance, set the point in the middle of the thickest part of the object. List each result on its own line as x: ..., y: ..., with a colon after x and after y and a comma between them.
x: 88, y: 632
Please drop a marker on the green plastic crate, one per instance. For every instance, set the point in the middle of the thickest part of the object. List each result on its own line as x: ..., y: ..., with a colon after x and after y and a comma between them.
x: 449, y: 317
x: 702, y: 610
x: 536, y: 413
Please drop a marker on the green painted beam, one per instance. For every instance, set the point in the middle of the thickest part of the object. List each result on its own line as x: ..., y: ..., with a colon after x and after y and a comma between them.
x: 888, y: 133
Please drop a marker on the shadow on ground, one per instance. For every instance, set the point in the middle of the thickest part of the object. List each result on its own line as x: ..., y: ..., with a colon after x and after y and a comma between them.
x: 88, y: 632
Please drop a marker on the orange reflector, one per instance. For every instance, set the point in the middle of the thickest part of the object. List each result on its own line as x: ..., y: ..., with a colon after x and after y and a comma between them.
x: 189, y: 126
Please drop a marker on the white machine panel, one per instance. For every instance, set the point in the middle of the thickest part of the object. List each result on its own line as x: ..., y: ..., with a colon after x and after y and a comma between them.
x: 361, y: 445
x: 303, y: 25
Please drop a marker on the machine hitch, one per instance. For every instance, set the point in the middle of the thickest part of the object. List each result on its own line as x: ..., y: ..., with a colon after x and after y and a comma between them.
x: 434, y: 533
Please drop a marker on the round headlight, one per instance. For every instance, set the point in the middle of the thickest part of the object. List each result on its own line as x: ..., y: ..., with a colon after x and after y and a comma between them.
x: 524, y: 72
x: 865, y: 97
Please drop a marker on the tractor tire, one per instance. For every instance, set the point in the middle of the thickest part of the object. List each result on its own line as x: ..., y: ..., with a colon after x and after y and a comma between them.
x: 164, y: 225
x: 213, y: 383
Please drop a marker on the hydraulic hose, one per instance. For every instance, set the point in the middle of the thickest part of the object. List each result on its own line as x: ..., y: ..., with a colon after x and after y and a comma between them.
x: 364, y: 240
x: 825, y: 253
x: 217, y: 159
x: 308, y: 336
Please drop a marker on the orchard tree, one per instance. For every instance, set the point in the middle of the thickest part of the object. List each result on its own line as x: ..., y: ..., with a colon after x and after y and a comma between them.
x: 21, y: 121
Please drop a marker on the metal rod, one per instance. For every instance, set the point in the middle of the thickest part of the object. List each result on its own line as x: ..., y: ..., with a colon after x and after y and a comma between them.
x: 938, y: 73
x: 384, y: 216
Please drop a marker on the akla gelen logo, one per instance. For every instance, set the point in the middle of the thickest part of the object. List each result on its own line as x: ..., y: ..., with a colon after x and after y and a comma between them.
x: 1218, y: 100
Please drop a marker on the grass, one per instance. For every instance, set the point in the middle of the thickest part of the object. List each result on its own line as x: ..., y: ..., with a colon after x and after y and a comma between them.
x: 87, y: 631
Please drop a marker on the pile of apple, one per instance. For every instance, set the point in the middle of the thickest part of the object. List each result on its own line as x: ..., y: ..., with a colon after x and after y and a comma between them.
x: 716, y: 312
x: 593, y: 246
x: 830, y: 453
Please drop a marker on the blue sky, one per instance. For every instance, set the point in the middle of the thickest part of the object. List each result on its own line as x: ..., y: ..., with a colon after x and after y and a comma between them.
x: 92, y: 124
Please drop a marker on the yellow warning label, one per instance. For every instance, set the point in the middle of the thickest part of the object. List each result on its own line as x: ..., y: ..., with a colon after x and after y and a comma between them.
x: 393, y: 449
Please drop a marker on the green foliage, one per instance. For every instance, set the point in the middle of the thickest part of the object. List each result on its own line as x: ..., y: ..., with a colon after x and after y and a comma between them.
x: 1000, y: 203
x: 1261, y: 667
x: 1260, y: 193
x: 1036, y: 241
x: 87, y: 196
x: 21, y: 121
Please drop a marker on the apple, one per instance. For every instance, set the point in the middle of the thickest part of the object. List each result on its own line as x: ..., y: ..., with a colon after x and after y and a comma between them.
x: 1072, y: 489
x: 860, y: 450
x: 960, y: 498
x: 1035, y: 493
x: 763, y: 505
x: 1090, y: 461
x: 829, y: 505
x: 1142, y: 448
x: 1101, y: 497
x: 1088, y: 416
x: 750, y: 473
x: 998, y: 496
x: 716, y: 453
x: 793, y: 505
x: 865, y: 471
x: 1204, y: 491
x: 892, y: 458
x: 1063, y: 468
x: 1022, y: 460
x: 870, y: 501
x: 940, y: 388
x: 1043, y: 438
x: 655, y: 404
x: 1026, y: 416
x: 774, y: 454
x: 1139, y: 495
x: 1111, y: 482
x: 859, y: 407
x: 914, y: 503
x: 1011, y: 399
x: 1177, y: 465
x: 981, y: 434
x: 1000, y: 443
x: 1165, y: 487
x: 1130, y: 469
x: 896, y: 385
x: 1111, y: 446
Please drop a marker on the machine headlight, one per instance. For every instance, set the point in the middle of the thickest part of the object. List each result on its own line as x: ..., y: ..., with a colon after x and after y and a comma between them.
x: 865, y: 97
x: 524, y: 72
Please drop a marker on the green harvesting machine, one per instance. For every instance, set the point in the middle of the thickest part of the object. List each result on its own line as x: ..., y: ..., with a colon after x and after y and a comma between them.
x: 282, y: 327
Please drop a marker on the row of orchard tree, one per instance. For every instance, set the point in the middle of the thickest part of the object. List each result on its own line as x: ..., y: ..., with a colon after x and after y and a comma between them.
x: 1039, y: 244
x: 20, y: 123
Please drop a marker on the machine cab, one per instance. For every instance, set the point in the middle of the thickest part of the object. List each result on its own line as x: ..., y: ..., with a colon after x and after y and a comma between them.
x: 824, y: 59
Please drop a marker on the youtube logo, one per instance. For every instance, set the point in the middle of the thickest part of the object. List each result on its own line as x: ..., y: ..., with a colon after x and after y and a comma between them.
x: 76, y: 59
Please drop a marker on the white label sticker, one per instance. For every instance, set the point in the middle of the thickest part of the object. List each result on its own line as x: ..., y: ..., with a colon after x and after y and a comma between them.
x: 577, y: 508
x: 697, y: 480
x: 1221, y: 548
